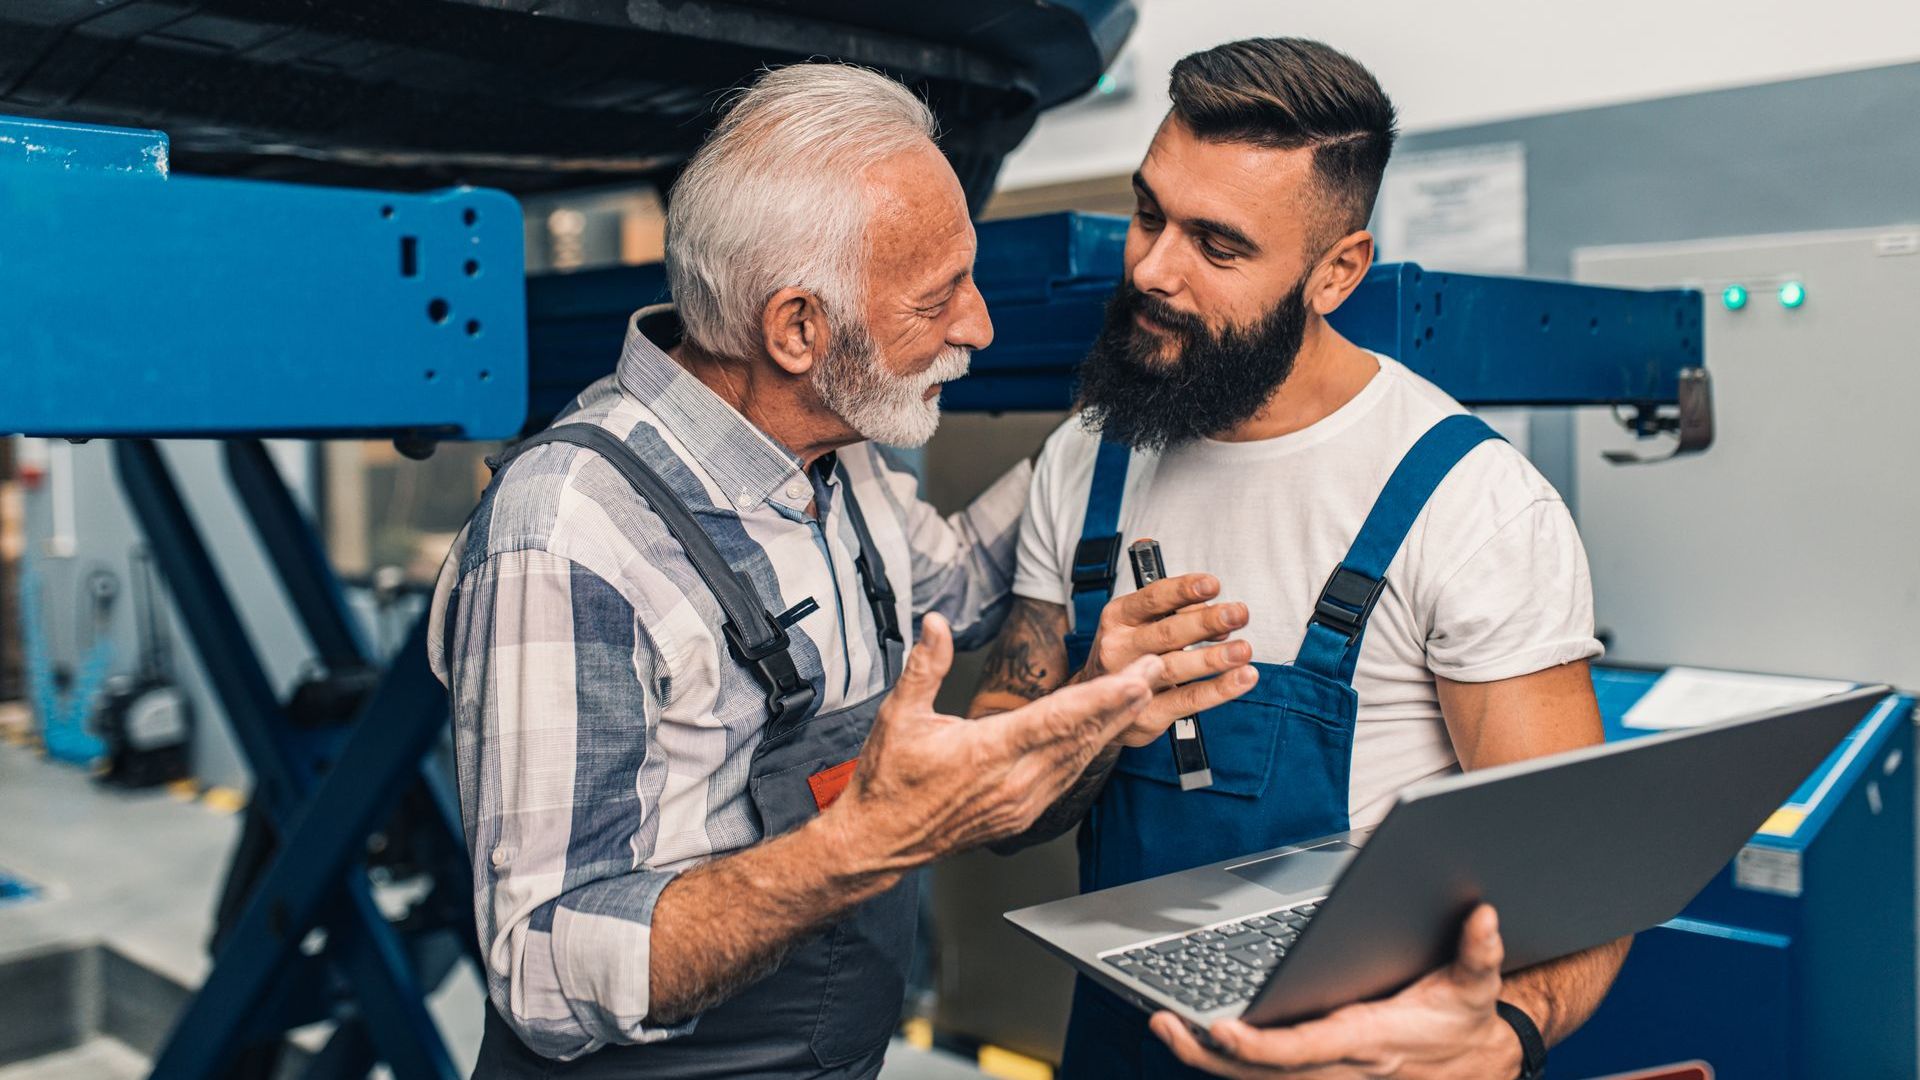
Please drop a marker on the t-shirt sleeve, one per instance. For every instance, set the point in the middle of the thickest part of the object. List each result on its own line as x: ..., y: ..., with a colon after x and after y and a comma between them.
x: 1037, y: 573
x: 1521, y: 603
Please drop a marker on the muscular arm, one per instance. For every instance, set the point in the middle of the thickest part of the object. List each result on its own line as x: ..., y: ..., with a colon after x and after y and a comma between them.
x: 1163, y: 619
x: 1028, y: 660
x: 1512, y: 720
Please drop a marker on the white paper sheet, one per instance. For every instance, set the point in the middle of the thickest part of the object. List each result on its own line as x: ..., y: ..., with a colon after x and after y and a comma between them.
x: 1690, y: 697
x: 1463, y: 209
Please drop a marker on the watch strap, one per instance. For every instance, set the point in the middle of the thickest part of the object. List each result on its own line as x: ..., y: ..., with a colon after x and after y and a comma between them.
x: 1533, y: 1048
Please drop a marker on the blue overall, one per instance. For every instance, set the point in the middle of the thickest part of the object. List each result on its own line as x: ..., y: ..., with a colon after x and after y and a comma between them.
x: 1280, y: 753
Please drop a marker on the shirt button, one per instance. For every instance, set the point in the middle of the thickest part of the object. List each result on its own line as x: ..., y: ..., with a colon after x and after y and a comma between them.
x: 743, y: 500
x: 795, y: 490
x: 499, y: 857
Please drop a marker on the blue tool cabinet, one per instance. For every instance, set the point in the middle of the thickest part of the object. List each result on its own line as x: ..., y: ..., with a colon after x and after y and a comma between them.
x: 1797, y: 961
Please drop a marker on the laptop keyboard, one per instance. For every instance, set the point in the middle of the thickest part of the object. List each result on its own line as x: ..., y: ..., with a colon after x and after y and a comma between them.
x: 1220, y: 965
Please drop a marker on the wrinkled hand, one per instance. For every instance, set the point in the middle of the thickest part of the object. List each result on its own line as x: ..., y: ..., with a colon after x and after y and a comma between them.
x: 1162, y: 620
x: 929, y: 784
x: 1441, y: 1028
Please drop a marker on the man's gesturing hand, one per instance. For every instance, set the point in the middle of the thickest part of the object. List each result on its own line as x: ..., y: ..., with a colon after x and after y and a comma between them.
x: 929, y: 785
x: 1443, y: 1027
x: 1162, y: 620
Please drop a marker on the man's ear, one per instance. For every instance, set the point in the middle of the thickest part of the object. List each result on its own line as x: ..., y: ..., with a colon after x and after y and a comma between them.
x: 1340, y: 272
x: 794, y: 328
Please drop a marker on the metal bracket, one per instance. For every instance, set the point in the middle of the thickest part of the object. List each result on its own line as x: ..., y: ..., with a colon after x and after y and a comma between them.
x: 1691, y: 421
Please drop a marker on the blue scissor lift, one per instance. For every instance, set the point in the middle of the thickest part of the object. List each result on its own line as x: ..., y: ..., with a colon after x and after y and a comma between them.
x: 141, y: 306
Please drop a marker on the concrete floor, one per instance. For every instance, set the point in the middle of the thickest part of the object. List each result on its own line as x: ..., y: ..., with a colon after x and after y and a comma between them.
x: 95, y: 1059
x: 139, y: 872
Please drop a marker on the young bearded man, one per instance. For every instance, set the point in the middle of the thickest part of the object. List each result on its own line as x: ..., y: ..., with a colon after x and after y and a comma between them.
x: 1416, y: 599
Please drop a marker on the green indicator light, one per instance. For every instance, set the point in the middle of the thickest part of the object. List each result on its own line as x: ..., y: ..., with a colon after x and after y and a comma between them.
x: 1734, y: 296
x: 1792, y: 294
x: 1106, y: 85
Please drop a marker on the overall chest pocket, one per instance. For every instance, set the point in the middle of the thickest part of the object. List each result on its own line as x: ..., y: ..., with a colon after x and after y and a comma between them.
x: 1292, y: 722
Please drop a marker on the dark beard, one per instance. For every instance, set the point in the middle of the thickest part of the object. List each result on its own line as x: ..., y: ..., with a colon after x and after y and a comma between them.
x: 1131, y: 394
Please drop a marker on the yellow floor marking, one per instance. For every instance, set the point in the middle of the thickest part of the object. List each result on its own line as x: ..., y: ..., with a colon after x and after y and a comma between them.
x: 225, y: 800
x: 1007, y: 1065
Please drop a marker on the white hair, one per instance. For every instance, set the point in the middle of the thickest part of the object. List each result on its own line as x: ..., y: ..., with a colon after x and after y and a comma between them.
x: 773, y: 199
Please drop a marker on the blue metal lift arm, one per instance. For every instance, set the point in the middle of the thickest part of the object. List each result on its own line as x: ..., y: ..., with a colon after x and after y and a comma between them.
x: 1485, y: 340
x: 134, y: 304
x: 137, y: 304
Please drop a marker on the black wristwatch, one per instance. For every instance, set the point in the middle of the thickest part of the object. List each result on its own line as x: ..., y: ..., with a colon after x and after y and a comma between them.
x: 1533, y: 1048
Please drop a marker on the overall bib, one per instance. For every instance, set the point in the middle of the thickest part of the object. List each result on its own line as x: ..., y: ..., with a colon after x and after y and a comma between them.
x: 831, y: 1006
x: 1280, y: 753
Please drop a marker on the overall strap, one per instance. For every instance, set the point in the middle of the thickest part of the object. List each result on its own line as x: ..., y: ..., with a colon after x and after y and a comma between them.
x: 1096, y: 559
x: 1339, y: 619
x: 873, y: 581
x: 755, y: 637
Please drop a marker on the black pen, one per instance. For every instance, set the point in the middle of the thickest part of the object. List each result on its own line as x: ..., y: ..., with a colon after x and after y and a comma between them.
x: 1189, y: 749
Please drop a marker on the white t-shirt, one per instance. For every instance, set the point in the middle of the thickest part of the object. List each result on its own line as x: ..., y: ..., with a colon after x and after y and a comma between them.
x: 1491, y: 583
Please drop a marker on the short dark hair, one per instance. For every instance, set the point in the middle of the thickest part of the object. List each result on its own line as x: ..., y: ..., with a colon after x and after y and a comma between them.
x: 1287, y: 93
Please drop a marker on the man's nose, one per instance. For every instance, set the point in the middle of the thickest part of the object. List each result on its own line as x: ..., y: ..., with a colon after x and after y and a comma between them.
x: 972, y: 327
x: 1155, y: 272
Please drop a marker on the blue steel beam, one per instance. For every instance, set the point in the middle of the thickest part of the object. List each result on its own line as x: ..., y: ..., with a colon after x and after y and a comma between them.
x: 137, y: 304
x: 88, y: 147
x: 1485, y: 340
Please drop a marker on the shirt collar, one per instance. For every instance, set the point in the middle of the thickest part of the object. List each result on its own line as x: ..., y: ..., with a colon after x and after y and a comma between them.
x: 748, y: 465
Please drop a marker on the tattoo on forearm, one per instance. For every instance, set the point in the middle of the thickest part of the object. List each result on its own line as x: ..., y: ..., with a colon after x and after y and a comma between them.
x: 1028, y: 658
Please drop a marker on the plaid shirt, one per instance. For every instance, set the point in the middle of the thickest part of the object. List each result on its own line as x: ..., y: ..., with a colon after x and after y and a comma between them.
x: 603, y: 735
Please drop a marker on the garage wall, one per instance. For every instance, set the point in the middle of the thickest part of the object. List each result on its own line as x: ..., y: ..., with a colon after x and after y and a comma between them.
x: 1476, y: 61
x: 1830, y: 152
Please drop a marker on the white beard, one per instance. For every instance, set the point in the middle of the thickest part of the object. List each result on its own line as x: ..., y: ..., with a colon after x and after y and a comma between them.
x: 880, y: 405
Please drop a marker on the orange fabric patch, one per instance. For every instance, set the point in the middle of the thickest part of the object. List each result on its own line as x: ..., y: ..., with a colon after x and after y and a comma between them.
x: 827, y: 784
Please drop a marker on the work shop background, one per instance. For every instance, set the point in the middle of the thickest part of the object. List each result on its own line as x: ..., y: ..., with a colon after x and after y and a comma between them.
x: 277, y: 279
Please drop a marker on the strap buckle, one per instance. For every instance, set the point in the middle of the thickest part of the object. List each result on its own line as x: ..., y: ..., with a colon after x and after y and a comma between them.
x: 787, y: 693
x: 1347, y: 601
x: 886, y: 615
x: 1095, y: 562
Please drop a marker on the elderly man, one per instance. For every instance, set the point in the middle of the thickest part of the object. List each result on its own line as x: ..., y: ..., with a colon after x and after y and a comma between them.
x: 671, y: 628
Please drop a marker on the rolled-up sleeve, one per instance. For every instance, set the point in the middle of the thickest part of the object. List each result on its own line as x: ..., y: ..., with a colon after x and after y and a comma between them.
x: 552, y: 681
x: 963, y: 563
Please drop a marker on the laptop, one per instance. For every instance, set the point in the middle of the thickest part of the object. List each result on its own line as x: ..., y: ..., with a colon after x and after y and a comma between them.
x: 1575, y: 850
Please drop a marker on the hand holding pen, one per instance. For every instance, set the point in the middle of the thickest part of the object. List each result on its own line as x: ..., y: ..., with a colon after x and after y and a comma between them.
x: 1166, y: 617
x: 1189, y: 747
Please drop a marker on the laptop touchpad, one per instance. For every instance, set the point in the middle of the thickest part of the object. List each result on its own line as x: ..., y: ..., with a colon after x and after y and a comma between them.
x: 1298, y: 871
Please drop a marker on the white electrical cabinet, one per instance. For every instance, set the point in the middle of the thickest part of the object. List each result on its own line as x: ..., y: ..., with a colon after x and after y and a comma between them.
x: 1793, y: 544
